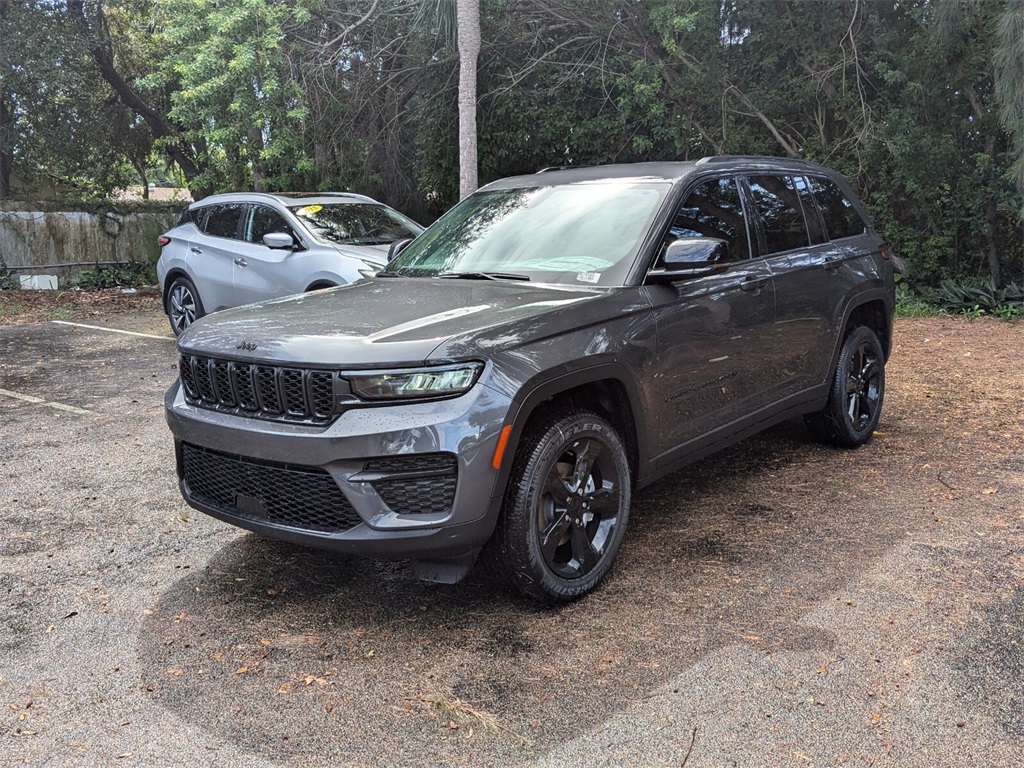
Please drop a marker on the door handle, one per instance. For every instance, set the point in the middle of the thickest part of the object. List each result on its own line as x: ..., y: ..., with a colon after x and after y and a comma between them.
x: 832, y: 263
x: 753, y: 283
x: 241, y: 262
x: 196, y: 250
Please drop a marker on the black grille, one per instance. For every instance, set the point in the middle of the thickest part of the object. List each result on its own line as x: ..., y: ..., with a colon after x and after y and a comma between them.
x: 301, y: 497
x: 261, y: 391
x: 415, y: 484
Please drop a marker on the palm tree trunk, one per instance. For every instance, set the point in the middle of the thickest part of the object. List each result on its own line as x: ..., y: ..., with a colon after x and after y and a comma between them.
x: 468, y: 19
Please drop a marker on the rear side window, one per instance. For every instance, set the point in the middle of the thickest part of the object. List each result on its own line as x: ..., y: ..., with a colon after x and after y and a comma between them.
x: 714, y: 209
x: 841, y: 218
x: 778, y: 207
x: 223, y: 220
x: 261, y: 221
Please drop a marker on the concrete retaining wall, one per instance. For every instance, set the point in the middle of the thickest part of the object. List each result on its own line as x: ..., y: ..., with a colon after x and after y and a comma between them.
x: 63, y: 239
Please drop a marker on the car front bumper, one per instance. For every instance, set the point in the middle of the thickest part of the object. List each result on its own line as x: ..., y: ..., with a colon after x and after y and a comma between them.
x: 412, y: 480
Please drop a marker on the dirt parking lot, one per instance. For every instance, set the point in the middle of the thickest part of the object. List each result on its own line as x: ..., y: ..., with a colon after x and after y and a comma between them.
x: 778, y: 604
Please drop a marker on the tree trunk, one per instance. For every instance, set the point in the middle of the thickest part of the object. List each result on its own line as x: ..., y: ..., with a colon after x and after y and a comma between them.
x: 468, y: 19
x: 6, y: 149
x: 161, y: 128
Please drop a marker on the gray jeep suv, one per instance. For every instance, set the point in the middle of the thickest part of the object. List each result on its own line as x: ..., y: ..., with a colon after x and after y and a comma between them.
x: 552, y: 343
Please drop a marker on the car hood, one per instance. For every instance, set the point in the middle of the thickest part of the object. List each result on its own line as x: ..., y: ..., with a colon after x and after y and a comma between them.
x: 375, y: 255
x: 389, y: 321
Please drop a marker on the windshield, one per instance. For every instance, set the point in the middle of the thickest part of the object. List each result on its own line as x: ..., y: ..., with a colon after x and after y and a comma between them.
x: 580, y: 234
x: 355, y: 223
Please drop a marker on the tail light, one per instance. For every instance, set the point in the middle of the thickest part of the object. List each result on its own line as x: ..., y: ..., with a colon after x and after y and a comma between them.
x: 163, y: 240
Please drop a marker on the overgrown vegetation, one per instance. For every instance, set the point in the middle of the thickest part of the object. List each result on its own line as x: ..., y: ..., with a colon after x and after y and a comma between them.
x: 131, y: 274
x: 971, y: 297
x: 8, y: 281
x: 918, y: 102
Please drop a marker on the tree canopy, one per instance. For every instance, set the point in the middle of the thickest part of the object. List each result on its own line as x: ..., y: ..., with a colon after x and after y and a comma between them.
x: 918, y: 102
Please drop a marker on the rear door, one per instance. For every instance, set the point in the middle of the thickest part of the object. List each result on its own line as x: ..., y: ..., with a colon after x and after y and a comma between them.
x: 711, y: 329
x: 802, y: 262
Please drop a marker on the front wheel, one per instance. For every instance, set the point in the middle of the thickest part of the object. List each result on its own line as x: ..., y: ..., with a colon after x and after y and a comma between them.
x: 566, y: 511
x: 855, y: 398
x: 184, y: 306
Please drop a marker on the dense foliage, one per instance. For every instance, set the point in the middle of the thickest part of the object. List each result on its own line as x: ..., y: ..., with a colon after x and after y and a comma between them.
x: 919, y: 102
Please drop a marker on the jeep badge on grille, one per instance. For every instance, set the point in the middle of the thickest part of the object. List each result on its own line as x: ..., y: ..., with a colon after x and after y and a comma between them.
x: 249, y: 345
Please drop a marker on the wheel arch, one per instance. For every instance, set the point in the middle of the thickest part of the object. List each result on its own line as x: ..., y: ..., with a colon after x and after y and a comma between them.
x: 173, y: 274
x: 874, y: 315
x: 606, y: 390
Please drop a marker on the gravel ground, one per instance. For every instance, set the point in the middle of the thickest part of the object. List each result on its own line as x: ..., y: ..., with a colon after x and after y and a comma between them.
x: 778, y: 604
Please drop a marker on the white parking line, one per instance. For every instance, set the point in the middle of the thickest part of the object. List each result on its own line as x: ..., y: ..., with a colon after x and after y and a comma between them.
x: 47, y: 403
x: 113, y: 330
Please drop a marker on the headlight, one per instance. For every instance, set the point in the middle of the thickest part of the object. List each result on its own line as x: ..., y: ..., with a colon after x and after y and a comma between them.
x: 436, y: 381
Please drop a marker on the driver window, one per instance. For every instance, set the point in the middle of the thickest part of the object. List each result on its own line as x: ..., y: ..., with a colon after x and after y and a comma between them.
x: 714, y: 209
x: 262, y: 221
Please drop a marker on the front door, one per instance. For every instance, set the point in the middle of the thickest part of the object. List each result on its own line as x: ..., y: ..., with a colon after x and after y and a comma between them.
x: 712, y: 330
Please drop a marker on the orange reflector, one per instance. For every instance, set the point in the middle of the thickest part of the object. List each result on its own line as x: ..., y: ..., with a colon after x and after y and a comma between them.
x: 502, y: 442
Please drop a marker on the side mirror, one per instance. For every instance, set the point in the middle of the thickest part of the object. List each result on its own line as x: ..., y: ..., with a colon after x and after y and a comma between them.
x: 692, y: 257
x: 278, y: 240
x: 398, y: 246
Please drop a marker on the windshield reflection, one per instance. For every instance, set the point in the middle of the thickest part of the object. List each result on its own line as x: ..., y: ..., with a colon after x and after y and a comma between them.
x: 580, y: 234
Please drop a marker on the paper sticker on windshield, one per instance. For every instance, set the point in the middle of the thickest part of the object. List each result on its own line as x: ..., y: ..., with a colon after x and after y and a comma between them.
x: 588, y: 277
x: 309, y: 210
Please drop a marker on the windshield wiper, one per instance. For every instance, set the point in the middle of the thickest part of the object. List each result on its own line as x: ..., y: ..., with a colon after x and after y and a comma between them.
x: 482, y: 276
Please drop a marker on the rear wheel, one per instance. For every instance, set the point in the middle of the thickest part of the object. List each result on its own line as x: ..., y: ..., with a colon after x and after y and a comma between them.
x: 858, y: 388
x: 566, y: 511
x: 184, y: 306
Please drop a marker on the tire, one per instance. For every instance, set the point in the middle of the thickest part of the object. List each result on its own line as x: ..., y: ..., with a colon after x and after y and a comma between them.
x: 566, y: 509
x: 855, y: 398
x: 183, y: 304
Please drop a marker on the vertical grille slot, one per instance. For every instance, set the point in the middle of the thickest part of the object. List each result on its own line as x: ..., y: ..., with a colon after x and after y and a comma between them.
x: 204, y: 381
x: 321, y: 393
x: 244, y: 387
x: 222, y: 382
x: 266, y: 389
x: 259, y: 391
x: 294, y: 389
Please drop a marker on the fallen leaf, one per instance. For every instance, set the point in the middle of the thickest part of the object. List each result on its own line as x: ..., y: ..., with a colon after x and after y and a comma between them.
x: 242, y: 670
x: 990, y: 491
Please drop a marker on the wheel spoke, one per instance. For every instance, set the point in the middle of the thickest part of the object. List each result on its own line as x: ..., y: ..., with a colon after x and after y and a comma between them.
x: 583, y: 551
x: 585, y: 458
x: 551, y: 537
x: 556, y: 487
x: 870, y: 370
x: 604, y: 502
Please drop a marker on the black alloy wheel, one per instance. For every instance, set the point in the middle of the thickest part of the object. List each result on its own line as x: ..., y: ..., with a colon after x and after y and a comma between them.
x: 855, y: 398
x: 566, y: 513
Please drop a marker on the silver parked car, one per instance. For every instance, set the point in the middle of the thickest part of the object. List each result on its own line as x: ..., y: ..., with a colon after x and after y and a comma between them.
x: 239, y: 248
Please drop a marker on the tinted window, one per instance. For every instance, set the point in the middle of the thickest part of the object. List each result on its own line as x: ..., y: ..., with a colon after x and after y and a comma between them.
x: 841, y: 218
x: 262, y: 221
x: 714, y: 209
x: 811, y: 217
x: 223, y: 220
x: 778, y: 207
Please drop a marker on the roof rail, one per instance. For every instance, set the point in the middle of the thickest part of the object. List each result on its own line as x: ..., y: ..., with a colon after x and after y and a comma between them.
x: 562, y: 168
x: 715, y: 159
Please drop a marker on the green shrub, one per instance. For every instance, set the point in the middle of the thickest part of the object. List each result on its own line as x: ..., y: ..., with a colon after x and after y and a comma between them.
x: 910, y: 304
x: 130, y: 274
x: 8, y: 282
x: 976, y: 297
